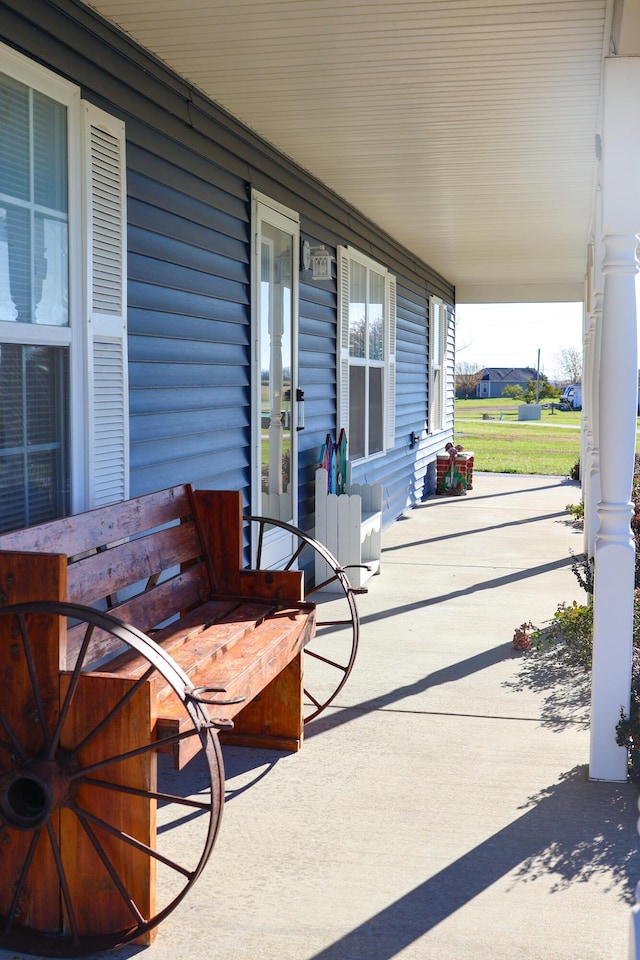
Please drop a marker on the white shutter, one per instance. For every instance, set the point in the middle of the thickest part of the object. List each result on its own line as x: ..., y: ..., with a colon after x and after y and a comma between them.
x: 342, y: 341
x: 390, y: 438
x: 107, y: 399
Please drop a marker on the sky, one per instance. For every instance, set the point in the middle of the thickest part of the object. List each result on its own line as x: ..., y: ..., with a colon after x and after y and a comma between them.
x: 510, y: 334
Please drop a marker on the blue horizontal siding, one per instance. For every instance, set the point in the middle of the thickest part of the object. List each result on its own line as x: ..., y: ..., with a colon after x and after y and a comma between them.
x: 190, y: 170
x: 189, y: 326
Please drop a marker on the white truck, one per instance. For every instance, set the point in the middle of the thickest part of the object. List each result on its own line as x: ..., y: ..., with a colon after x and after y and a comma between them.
x: 571, y: 398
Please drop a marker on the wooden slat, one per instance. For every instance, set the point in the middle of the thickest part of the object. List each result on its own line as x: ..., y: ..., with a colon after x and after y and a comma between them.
x: 257, y: 666
x: 285, y: 585
x: 253, y: 662
x: 274, y: 718
x: 199, y: 637
x: 218, y: 515
x: 98, y: 904
x: 97, y: 528
x: 104, y: 574
x: 144, y: 611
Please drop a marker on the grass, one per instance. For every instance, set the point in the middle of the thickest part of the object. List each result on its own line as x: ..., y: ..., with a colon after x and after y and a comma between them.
x: 503, y: 444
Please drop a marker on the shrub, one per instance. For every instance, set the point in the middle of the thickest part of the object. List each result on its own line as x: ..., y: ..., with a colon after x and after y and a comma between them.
x: 577, y: 511
x: 572, y: 630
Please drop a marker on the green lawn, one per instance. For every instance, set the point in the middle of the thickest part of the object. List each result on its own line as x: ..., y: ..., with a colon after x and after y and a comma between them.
x: 504, y: 447
x: 503, y: 444
x: 503, y: 409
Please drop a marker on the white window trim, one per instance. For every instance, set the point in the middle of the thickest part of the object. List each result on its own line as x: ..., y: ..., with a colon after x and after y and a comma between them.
x: 96, y: 478
x: 344, y: 256
x: 265, y: 209
x: 437, y: 404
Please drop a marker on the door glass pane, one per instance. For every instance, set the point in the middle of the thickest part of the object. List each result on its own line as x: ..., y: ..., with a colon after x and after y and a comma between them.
x: 34, y: 413
x: 276, y: 321
x: 375, y: 410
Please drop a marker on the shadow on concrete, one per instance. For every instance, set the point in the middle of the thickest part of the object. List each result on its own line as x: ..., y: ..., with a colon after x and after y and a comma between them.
x: 470, y: 531
x: 455, y: 671
x: 576, y: 830
x: 559, y: 482
x: 492, y: 584
x: 565, y: 687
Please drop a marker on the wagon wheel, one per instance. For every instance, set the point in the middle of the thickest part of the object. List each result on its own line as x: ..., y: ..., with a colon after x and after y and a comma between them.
x: 330, y: 656
x: 88, y: 859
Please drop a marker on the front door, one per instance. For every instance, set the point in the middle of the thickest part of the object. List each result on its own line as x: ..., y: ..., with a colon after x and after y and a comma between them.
x: 276, y: 236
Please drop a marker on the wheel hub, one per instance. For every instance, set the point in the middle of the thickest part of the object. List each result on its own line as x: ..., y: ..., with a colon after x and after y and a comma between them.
x: 30, y: 794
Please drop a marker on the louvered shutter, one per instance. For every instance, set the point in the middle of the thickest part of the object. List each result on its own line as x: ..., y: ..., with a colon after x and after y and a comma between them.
x: 390, y: 437
x: 105, y: 305
x: 342, y: 341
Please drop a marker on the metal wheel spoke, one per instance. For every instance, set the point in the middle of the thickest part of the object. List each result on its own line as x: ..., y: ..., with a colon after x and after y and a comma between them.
x: 260, y: 544
x: 41, y: 779
x: 107, y: 719
x: 342, y: 641
x: 117, y: 880
x: 14, y: 746
x: 35, y: 686
x: 66, y: 894
x: 311, y: 697
x: 75, y: 676
x: 153, y: 745
x: 294, y: 556
x: 325, y: 583
x: 22, y: 879
x: 151, y: 794
x: 127, y: 838
x: 332, y: 663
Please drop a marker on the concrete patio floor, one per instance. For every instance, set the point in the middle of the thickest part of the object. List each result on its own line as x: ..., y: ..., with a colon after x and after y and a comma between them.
x: 441, y: 808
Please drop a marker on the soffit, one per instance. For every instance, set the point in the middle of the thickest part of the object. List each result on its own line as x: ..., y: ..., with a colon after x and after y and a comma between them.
x: 465, y: 129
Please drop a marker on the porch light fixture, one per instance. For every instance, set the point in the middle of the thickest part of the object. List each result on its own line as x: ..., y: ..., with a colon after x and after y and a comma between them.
x: 317, y: 259
x: 321, y: 261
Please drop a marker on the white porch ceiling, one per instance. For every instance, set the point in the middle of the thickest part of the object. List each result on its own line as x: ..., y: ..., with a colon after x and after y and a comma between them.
x: 465, y: 128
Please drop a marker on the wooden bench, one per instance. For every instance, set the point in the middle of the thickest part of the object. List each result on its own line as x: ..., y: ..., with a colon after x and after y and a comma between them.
x: 170, y: 564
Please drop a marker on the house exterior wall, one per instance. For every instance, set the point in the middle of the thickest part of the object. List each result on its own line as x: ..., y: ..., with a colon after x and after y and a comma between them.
x: 190, y: 171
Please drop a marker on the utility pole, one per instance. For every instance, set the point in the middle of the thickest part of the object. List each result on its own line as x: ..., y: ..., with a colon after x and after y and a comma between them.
x: 538, y: 378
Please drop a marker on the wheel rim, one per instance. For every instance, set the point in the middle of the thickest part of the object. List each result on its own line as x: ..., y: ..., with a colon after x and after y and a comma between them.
x: 330, y: 656
x: 69, y: 780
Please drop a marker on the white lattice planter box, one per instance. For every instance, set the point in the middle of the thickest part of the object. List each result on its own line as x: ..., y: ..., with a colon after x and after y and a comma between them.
x: 350, y: 526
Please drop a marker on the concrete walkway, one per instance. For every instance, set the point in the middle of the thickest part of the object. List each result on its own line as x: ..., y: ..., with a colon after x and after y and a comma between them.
x: 441, y: 808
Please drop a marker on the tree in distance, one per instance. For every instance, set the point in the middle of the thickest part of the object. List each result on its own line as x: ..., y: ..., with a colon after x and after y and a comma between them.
x: 545, y: 391
x: 468, y: 376
x: 568, y: 362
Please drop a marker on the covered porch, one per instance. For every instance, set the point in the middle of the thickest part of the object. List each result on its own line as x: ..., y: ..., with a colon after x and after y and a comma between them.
x: 499, y: 142
x: 441, y: 808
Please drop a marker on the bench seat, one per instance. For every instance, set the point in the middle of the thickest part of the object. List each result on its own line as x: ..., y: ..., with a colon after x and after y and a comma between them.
x: 171, y: 565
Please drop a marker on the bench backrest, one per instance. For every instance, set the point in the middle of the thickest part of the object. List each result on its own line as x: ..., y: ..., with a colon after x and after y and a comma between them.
x: 143, y: 560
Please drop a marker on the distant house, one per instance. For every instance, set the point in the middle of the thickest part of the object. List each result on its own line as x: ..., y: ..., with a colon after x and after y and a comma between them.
x: 495, y: 379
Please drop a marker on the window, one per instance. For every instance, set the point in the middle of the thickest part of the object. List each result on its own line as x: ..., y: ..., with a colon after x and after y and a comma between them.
x: 366, y: 354
x: 437, y: 355
x: 63, y: 399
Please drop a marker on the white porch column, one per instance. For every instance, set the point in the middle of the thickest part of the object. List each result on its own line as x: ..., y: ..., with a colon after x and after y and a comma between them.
x: 592, y: 493
x: 615, y: 554
x: 586, y: 446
